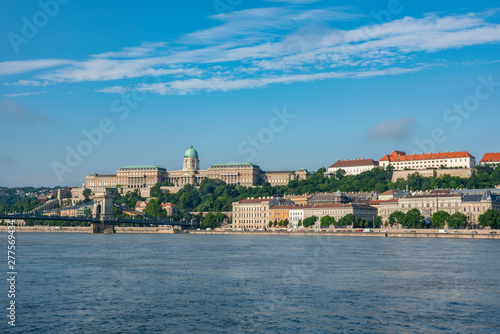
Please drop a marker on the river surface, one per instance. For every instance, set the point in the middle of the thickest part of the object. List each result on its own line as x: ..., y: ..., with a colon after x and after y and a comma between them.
x: 154, y: 283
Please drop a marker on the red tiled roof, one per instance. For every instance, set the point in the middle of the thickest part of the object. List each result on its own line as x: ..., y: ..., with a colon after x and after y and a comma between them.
x: 283, y: 207
x: 255, y: 200
x: 334, y: 205
x: 386, y: 201
x: 430, y: 156
x: 353, y: 163
x: 168, y: 204
x: 491, y: 157
x: 388, y: 192
x: 436, y: 195
x: 440, y: 191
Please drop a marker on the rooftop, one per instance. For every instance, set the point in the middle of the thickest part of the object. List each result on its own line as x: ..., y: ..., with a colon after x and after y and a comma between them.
x: 491, y: 157
x: 354, y: 163
x: 255, y: 200
x: 234, y: 164
x: 430, y: 156
x: 143, y: 167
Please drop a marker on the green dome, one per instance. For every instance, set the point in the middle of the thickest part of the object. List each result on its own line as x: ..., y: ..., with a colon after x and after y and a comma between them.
x: 191, y: 153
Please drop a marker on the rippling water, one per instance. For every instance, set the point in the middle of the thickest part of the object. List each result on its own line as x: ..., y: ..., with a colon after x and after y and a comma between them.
x: 82, y: 283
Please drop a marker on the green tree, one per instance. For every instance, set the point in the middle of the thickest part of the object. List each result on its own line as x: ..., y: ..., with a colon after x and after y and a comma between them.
x: 347, y: 220
x: 156, y: 191
x: 209, y: 221
x: 340, y: 173
x: 87, y: 212
x: 327, y: 221
x: 490, y: 218
x: 413, y: 218
x: 377, y: 222
x: 457, y: 220
x: 440, y: 218
x: 154, y: 209
x: 86, y: 192
x: 309, y: 221
x: 395, y: 218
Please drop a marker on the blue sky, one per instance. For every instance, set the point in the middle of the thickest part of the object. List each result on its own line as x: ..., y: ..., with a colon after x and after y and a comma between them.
x: 354, y: 79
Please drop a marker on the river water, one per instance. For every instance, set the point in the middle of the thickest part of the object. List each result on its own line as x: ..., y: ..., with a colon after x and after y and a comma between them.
x: 126, y: 283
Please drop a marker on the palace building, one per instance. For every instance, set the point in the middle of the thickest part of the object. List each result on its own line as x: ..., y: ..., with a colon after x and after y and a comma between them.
x: 400, y: 160
x: 233, y: 173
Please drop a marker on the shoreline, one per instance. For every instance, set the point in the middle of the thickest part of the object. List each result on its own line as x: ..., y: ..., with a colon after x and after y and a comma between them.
x: 463, y: 234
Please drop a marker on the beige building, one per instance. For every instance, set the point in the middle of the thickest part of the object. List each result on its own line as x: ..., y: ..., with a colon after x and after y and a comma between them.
x: 251, y: 213
x: 430, y: 204
x: 144, y: 177
x: 472, y: 203
x: 99, y: 182
x: 400, y: 160
x: 475, y: 204
x: 385, y: 207
x: 338, y: 211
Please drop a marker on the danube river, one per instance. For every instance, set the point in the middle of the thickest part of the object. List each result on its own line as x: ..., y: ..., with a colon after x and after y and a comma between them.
x: 172, y: 283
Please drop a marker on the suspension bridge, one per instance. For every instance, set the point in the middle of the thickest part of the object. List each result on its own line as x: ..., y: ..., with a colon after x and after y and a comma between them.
x: 101, y: 220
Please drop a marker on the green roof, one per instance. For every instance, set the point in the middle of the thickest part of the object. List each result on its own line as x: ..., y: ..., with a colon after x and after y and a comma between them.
x: 238, y: 164
x: 191, y: 153
x: 142, y: 167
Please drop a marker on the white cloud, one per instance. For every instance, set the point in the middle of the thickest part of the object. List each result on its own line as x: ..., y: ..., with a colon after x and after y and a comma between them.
x: 24, y: 94
x: 30, y: 83
x: 181, y: 87
x: 256, y: 47
x: 145, y: 49
x: 23, y: 66
x: 113, y: 90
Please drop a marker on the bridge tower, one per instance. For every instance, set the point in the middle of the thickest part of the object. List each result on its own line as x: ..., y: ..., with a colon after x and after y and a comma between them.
x: 103, y: 210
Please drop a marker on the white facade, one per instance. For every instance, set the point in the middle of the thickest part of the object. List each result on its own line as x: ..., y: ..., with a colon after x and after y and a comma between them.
x: 352, y: 167
x: 294, y: 215
x: 401, y: 160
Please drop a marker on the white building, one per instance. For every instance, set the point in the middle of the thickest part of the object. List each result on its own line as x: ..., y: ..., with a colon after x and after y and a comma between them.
x: 400, y: 160
x: 294, y: 216
x: 352, y: 167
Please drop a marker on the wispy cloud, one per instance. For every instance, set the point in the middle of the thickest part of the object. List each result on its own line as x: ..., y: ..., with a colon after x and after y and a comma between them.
x: 113, y: 90
x: 256, y: 47
x: 30, y: 83
x: 397, y: 129
x: 24, y: 94
x: 180, y: 87
x: 23, y: 66
x: 14, y: 112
